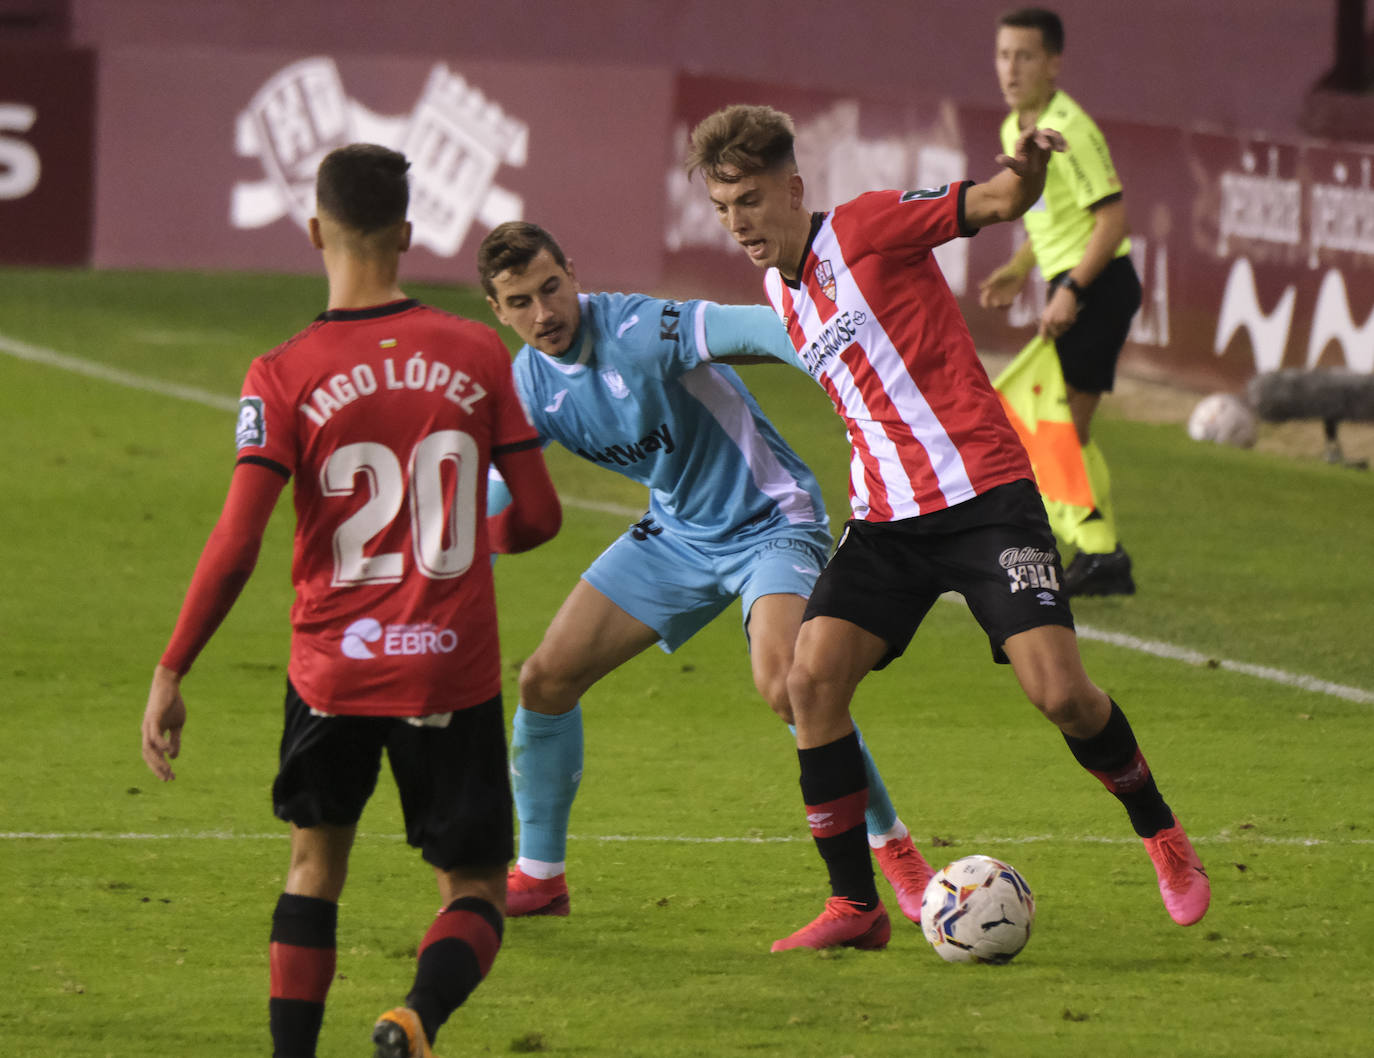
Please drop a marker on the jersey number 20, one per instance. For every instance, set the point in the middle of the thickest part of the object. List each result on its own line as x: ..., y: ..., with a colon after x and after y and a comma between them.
x: 431, y: 521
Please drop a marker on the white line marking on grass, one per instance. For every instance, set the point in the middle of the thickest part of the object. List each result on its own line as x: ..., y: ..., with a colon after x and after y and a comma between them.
x: 1024, y: 839
x: 1188, y: 656
x: 51, y: 358
x: 92, y: 369
x: 684, y: 839
x: 601, y: 507
x: 1262, y: 672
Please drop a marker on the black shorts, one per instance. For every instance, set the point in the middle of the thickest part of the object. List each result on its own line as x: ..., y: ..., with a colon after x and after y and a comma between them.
x: 1088, y: 350
x: 454, y: 781
x: 996, y: 550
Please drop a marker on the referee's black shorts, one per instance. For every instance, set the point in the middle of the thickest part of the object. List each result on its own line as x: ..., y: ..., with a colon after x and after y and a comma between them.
x: 1088, y: 350
x: 454, y: 781
x: 996, y: 550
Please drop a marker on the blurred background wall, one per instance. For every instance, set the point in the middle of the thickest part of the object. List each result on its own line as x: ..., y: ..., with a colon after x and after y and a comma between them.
x: 184, y: 134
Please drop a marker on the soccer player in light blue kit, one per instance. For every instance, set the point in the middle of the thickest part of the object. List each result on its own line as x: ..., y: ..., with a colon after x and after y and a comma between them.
x: 632, y: 382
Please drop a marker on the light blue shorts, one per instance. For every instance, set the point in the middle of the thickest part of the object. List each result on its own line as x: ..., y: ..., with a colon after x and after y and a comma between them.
x: 677, y: 586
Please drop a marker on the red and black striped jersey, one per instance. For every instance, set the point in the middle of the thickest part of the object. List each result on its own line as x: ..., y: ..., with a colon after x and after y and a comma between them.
x: 386, y: 418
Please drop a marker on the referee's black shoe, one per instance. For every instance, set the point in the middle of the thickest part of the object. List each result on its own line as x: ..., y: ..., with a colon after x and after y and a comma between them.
x: 1099, y: 574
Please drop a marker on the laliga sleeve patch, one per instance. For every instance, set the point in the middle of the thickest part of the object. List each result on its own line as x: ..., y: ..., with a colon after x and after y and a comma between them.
x: 924, y: 194
x: 251, y: 431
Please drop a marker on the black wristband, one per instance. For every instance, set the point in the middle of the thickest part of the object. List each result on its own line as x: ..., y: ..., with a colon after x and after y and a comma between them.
x: 1071, y: 285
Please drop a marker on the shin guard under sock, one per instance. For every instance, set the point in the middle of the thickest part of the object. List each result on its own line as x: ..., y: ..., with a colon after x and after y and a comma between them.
x: 455, y: 955
x: 546, y: 769
x: 303, y: 956
x: 835, y: 789
x: 880, y: 817
x: 1115, y: 758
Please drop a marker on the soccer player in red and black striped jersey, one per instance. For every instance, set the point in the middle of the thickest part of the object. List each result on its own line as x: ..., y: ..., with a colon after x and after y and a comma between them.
x: 942, y: 491
x: 386, y: 414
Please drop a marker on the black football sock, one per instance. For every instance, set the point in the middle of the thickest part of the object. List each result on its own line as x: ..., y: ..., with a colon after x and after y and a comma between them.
x: 835, y: 788
x: 455, y: 955
x: 1115, y: 758
x: 303, y: 956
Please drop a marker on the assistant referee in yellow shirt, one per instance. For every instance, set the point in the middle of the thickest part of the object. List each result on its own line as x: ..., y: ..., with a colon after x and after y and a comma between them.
x: 1077, y: 234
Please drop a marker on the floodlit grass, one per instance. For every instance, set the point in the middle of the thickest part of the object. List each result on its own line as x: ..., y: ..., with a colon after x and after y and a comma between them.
x: 135, y: 921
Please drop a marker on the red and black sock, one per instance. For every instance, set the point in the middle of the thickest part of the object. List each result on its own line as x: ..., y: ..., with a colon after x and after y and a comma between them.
x: 303, y: 956
x: 835, y: 788
x: 1115, y: 758
x: 455, y: 955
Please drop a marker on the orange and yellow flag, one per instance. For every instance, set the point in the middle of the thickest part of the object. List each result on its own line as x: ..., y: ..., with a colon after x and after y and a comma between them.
x: 1072, y: 477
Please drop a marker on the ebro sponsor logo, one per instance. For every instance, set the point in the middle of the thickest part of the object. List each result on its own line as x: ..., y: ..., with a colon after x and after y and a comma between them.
x: 363, y: 635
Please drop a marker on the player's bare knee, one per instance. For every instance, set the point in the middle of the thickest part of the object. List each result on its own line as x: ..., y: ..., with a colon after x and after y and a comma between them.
x: 1067, y: 707
x: 537, y: 685
x: 810, y: 693
x: 773, y: 689
x: 800, y: 685
x: 544, y: 689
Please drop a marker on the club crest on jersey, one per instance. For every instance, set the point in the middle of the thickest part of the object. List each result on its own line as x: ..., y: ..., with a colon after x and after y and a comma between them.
x: 615, y: 383
x: 825, y: 276
x: 251, y: 429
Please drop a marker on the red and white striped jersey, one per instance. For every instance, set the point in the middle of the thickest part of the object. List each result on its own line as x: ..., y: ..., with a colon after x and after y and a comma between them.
x: 874, y: 322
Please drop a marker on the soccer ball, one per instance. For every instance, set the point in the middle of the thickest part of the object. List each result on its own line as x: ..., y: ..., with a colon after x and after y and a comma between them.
x: 977, y: 910
x: 1224, y: 419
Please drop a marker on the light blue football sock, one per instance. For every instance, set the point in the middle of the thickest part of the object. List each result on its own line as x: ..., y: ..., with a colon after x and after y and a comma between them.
x: 545, y: 769
x: 880, y: 816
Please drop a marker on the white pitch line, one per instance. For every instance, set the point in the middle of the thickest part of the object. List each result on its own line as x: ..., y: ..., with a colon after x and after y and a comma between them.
x: 92, y: 369
x: 1261, y: 672
x: 52, y: 358
x: 684, y: 839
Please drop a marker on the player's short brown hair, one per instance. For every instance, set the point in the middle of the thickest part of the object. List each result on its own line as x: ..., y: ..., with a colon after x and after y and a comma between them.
x: 364, y: 187
x: 514, y: 245
x: 1050, y: 25
x: 741, y: 140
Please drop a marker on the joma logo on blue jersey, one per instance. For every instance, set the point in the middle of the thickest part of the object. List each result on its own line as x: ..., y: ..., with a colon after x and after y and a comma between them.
x: 623, y: 455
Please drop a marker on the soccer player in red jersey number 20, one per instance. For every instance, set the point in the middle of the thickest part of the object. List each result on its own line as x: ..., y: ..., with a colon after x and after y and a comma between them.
x: 386, y: 414
x: 942, y: 491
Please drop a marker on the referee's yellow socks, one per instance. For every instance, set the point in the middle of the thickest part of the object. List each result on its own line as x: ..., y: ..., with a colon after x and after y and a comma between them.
x: 1096, y: 534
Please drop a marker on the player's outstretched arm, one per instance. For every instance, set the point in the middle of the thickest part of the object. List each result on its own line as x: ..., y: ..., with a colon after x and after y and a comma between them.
x: 534, y: 514
x: 747, y: 334
x: 1017, y: 187
x: 225, y: 565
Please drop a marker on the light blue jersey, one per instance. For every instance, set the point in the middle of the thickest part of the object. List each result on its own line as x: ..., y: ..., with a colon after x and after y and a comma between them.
x: 734, y: 513
x: 637, y: 394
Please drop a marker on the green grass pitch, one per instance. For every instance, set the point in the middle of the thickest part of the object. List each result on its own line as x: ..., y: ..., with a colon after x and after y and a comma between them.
x: 135, y: 915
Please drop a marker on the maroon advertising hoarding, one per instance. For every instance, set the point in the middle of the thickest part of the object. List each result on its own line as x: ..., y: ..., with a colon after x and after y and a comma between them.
x: 47, y: 121
x: 1253, y: 253
x: 207, y: 158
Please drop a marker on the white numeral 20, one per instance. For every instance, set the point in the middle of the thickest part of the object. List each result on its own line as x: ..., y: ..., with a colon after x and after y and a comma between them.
x: 431, y: 523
